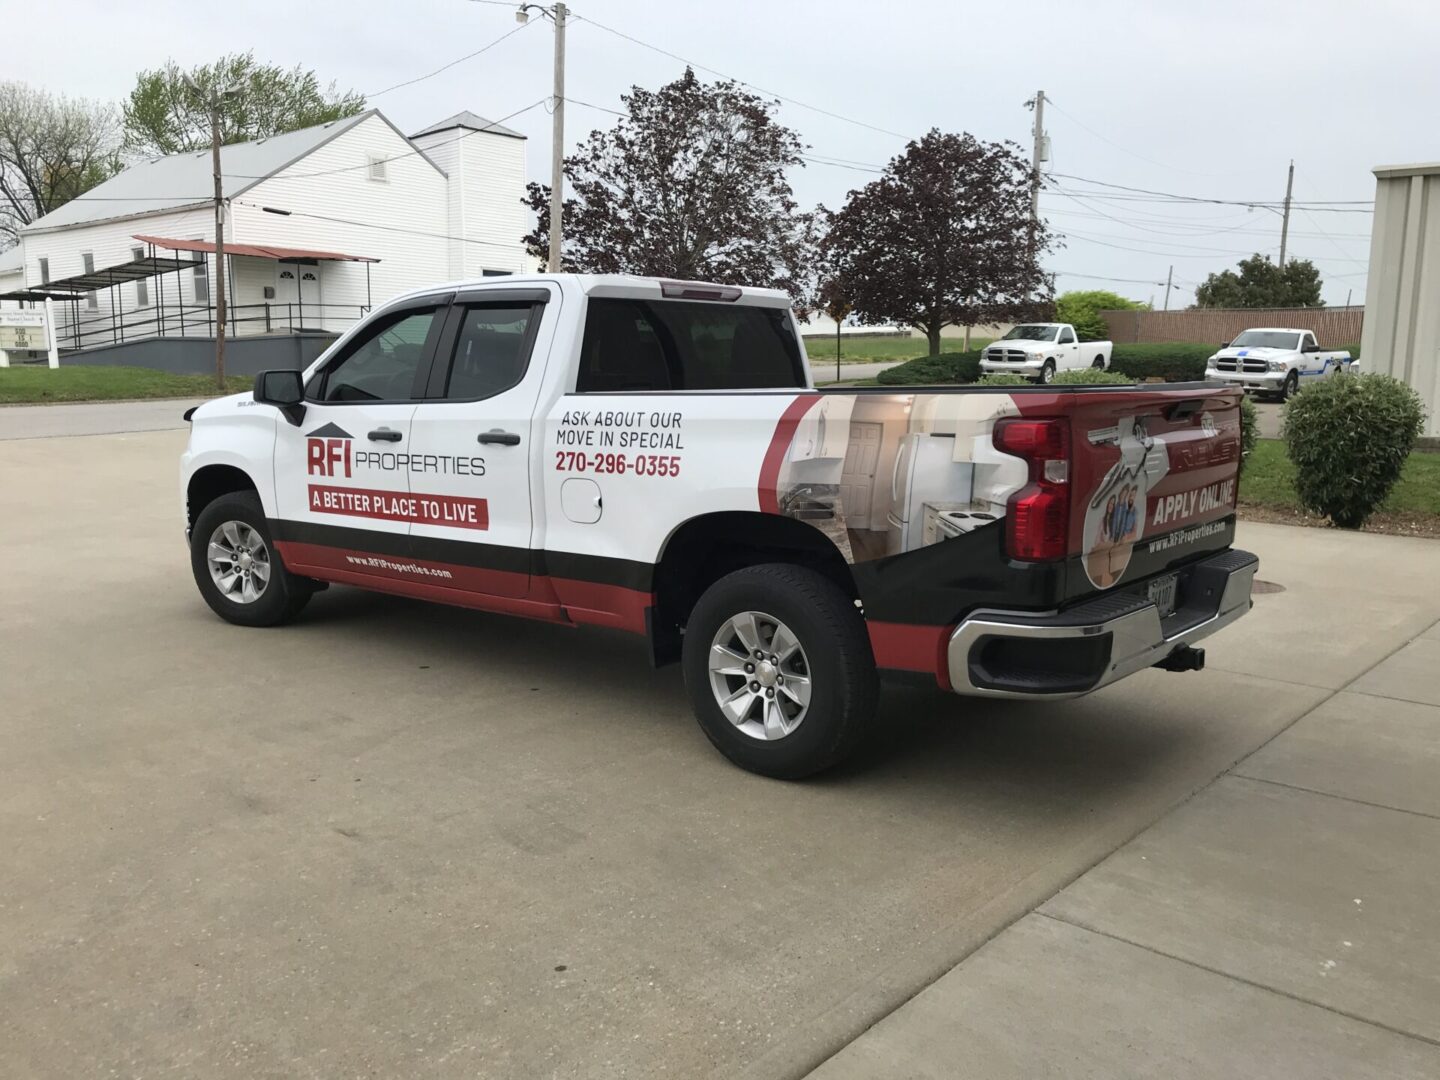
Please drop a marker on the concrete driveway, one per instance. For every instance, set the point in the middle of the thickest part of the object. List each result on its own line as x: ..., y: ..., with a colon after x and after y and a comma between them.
x: 399, y: 840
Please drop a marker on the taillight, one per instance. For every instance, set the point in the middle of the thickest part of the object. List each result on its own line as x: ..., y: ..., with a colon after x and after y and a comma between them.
x: 1037, y: 519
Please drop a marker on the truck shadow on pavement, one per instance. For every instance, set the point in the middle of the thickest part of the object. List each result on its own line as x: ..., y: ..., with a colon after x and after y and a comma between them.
x: 1026, y: 759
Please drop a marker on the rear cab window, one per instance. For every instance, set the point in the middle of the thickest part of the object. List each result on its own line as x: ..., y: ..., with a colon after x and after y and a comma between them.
x: 638, y: 345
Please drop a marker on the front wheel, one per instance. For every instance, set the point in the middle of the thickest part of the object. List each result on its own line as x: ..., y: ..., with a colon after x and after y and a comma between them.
x: 779, y: 670
x: 1047, y: 372
x: 236, y: 567
x: 1289, y: 386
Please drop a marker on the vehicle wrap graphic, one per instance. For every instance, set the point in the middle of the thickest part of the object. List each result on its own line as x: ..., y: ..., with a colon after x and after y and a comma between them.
x: 330, y: 453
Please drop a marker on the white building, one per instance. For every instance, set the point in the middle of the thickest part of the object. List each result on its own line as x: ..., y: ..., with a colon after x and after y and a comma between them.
x: 322, y: 224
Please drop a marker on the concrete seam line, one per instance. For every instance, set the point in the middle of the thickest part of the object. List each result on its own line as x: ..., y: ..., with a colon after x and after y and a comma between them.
x: 1333, y: 795
x: 1241, y: 979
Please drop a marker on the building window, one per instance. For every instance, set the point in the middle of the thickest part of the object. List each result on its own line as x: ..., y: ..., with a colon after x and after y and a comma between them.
x: 44, y: 271
x: 142, y: 285
x: 496, y: 273
x: 377, y: 167
x: 202, y: 279
x: 92, y: 299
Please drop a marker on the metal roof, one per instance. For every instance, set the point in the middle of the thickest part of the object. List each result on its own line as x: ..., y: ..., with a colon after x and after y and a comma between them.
x: 168, y: 183
x: 258, y: 251
x: 134, y: 270
x: 467, y: 119
x: 11, y: 260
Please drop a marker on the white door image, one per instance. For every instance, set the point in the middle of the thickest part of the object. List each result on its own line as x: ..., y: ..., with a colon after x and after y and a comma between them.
x: 857, y: 480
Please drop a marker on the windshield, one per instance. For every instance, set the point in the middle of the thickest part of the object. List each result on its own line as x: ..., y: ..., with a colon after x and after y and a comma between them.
x: 1266, y: 339
x: 1031, y: 332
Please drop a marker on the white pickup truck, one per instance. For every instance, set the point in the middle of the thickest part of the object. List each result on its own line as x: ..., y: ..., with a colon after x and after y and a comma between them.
x: 650, y: 456
x: 1039, y: 350
x: 1275, y: 360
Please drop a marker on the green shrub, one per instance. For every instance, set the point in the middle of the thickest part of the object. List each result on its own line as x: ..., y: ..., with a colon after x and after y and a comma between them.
x: 1004, y: 379
x: 1349, y: 439
x: 1092, y: 377
x: 1173, y: 361
x: 1249, y: 429
x: 954, y: 367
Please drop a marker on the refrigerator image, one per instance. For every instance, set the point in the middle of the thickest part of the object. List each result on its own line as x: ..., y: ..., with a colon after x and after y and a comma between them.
x: 925, y: 472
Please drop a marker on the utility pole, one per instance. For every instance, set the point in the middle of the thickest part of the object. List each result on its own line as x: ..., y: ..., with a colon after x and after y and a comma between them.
x: 1285, y: 220
x: 1038, y: 155
x: 1169, y: 274
x: 557, y: 138
x: 212, y: 103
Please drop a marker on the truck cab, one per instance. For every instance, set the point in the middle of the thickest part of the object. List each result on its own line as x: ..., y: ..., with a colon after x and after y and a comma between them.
x: 650, y: 456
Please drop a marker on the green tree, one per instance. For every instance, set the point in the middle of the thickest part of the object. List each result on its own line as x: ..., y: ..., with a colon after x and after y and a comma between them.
x: 52, y: 148
x: 1082, y: 307
x: 164, y: 116
x: 1262, y: 284
x: 943, y: 238
x: 689, y: 183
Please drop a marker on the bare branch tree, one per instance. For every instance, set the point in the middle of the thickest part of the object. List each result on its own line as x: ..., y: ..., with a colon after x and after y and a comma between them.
x: 52, y: 149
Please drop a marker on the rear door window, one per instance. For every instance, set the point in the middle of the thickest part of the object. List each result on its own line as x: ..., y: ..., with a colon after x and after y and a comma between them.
x: 678, y: 345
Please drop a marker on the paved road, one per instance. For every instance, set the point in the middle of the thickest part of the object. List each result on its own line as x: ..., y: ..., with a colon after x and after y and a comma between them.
x: 92, y: 418
x: 405, y: 840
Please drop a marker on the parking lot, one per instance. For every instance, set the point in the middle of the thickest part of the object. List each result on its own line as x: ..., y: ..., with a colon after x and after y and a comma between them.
x: 394, y: 839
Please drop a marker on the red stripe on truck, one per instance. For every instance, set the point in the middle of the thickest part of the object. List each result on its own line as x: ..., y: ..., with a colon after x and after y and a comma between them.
x: 906, y: 647
x: 775, y: 452
x: 555, y: 599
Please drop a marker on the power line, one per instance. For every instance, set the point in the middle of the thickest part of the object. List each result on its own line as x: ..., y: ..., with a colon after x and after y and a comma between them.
x: 368, y: 224
x: 1102, y: 277
x: 742, y: 82
x: 451, y: 64
x: 1331, y: 205
x: 1150, y: 161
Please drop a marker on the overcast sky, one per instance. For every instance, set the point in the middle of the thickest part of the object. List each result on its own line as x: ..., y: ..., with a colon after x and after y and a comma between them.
x: 1206, y: 99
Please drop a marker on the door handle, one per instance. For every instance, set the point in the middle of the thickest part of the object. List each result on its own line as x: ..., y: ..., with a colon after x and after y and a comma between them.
x: 384, y: 434
x: 495, y: 435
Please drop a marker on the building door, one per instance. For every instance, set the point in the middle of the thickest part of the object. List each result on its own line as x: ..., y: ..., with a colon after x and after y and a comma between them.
x: 299, y: 297
x: 857, y: 481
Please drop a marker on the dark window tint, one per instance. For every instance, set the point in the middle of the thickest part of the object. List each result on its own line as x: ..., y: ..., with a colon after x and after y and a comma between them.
x: 678, y: 345
x: 380, y: 365
x: 1067, y: 336
x: 491, y: 351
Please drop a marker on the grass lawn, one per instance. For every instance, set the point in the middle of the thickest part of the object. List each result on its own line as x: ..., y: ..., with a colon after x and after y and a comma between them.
x: 35, y: 383
x: 866, y: 350
x: 1413, y: 507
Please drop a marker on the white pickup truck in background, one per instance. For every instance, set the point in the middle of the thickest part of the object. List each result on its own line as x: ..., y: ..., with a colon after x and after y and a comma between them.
x: 1039, y: 350
x: 1272, y: 360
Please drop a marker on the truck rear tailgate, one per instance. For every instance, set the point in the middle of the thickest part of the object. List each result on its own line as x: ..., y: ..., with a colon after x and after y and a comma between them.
x: 1154, y: 477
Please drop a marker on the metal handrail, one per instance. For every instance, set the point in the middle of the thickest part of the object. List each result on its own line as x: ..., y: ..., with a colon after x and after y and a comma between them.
x: 197, y: 320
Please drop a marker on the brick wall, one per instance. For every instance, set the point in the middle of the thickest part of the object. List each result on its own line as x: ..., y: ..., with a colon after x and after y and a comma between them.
x: 1334, y: 327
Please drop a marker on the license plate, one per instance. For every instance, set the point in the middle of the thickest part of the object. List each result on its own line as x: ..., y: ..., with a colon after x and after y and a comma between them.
x: 1161, y: 593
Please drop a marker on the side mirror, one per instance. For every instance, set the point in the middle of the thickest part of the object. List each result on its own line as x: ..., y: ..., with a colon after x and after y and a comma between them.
x: 1224, y: 344
x: 285, y: 389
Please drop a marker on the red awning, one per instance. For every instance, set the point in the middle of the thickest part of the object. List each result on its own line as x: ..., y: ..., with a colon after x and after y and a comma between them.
x: 259, y: 251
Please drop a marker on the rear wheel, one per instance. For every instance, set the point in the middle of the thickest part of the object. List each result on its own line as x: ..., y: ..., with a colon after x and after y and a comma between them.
x: 1099, y: 363
x: 779, y: 670
x: 236, y: 567
x: 1047, y: 371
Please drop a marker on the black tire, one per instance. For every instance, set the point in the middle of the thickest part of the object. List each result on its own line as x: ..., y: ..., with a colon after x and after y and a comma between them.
x: 284, y: 593
x: 1289, y: 386
x: 836, y: 651
x: 1099, y: 363
x: 1047, y: 372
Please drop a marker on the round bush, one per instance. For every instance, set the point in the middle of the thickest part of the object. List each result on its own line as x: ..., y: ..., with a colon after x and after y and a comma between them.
x: 1349, y: 439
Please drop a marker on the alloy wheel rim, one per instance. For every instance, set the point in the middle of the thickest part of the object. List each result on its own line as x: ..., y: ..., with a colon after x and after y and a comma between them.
x: 760, y: 675
x: 239, y: 562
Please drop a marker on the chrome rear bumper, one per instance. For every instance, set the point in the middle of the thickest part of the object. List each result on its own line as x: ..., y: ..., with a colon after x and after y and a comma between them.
x: 1074, y: 652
